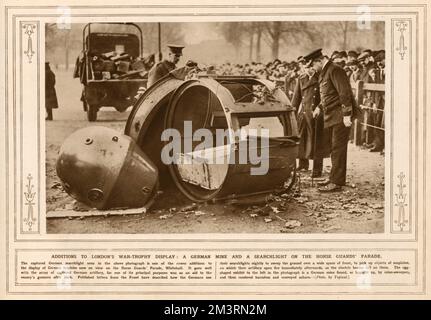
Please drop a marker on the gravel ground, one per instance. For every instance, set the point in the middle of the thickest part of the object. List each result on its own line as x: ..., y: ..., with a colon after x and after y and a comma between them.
x: 359, y: 208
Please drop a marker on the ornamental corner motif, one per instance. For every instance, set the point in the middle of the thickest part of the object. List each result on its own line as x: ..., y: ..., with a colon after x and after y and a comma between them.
x: 402, y: 27
x: 402, y: 220
x: 29, y: 30
x: 29, y: 195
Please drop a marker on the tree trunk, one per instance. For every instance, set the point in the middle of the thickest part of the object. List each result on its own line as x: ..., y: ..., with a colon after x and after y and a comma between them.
x: 345, y: 32
x: 250, y: 49
x: 275, y: 46
x: 66, y: 50
x: 258, y: 44
x: 237, y: 52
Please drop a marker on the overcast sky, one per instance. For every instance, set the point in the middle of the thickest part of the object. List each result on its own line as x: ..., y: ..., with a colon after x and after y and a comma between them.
x: 205, y: 31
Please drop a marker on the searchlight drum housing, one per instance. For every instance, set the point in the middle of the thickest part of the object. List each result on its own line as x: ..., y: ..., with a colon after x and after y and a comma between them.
x: 219, y: 104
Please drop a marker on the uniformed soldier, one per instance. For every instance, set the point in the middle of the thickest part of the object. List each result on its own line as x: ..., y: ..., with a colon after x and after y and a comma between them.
x: 162, y: 68
x: 339, y: 109
x: 305, y: 100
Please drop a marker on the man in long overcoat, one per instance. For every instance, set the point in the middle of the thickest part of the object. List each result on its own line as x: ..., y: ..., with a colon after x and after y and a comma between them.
x: 312, y: 144
x: 339, y: 109
x: 51, y: 101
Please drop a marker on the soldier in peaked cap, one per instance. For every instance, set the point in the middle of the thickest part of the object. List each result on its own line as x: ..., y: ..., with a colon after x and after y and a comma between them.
x: 162, y: 68
x: 339, y: 108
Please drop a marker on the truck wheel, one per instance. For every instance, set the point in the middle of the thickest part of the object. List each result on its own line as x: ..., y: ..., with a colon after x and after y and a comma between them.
x: 92, y: 113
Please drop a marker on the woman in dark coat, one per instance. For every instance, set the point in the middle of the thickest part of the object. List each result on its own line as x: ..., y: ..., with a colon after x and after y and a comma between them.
x: 305, y: 99
x: 50, y: 94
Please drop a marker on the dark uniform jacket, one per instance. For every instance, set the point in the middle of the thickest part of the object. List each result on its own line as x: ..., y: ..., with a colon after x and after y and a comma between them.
x: 336, y: 95
x: 307, y: 93
x: 159, y: 70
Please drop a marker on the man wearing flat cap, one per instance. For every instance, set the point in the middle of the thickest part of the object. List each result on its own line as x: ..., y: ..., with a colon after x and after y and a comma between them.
x: 162, y: 68
x: 366, y: 61
x: 355, y: 69
x: 339, y: 108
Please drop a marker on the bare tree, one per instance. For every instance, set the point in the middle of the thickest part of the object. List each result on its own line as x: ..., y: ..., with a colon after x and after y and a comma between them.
x: 234, y: 32
x: 344, y: 29
x: 258, y: 30
x: 66, y: 39
x: 291, y: 31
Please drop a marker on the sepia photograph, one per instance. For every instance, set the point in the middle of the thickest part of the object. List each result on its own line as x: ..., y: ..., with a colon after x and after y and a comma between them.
x: 173, y: 150
x: 218, y: 127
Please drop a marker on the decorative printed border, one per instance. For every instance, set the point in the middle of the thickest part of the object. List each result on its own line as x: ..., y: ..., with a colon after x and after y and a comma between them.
x: 29, y: 51
x: 8, y: 205
x: 401, y: 223
x: 402, y: 26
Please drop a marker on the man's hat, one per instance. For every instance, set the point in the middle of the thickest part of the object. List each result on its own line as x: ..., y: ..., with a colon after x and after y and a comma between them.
x: 277, y: 61
x: 352, y: 54
x: 335, y: 53
x: 380, y: 56
x: 314, y: 55
x: 176, y: 49
x: 363, y: 56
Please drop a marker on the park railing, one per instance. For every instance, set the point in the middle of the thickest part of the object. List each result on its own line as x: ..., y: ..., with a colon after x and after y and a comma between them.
x: 371, y: 121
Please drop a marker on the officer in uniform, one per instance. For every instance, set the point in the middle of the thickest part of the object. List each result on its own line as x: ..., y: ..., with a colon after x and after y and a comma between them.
x: 306, y: 98
x: 339, y: 108
x: 165, y: 66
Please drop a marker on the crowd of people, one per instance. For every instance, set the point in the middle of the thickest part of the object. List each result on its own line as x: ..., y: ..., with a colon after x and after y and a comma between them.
x: 328, y: 93
x: 367, y: 66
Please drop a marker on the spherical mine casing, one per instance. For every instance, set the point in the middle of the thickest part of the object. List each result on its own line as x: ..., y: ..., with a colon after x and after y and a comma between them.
x: 106, y: 169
